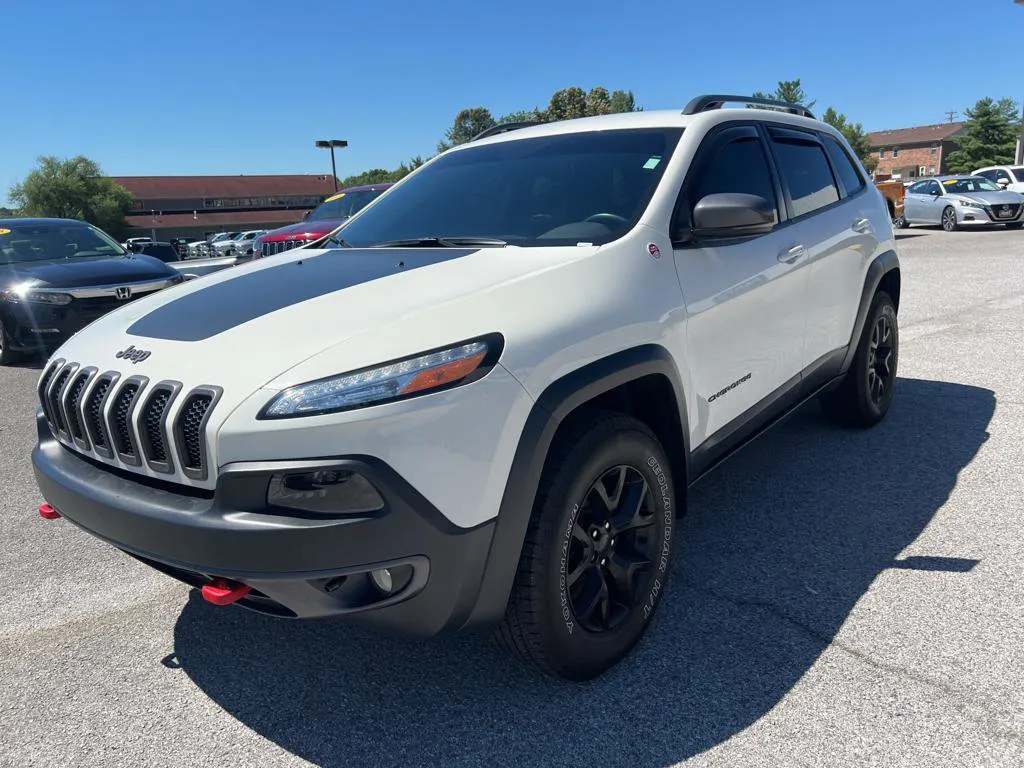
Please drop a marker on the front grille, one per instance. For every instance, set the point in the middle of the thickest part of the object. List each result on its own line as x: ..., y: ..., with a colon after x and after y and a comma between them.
x: 94, y: 309
x: 279, y: 246
x: 998, y: 211
x: 130, y: 423
x: 154, y: 428
x: 94, y: 415
x: 74, y: 399
x: 53, y: 399
x: 122, y: 431
x: 192, y: 416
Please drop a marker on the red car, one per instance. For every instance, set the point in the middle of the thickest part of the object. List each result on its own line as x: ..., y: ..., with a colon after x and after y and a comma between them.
x: 322, y: 220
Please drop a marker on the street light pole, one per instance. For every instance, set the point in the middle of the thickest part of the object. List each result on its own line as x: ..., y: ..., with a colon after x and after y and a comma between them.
x: 331, y: 144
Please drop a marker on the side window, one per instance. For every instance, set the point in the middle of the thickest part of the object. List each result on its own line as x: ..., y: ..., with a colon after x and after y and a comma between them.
x: 848, y: 173
x: 933, y: 188
x: 1002, y: 175
x: 805, y: 172
x: 990, y: 175
x: 920, y: 188
x: 739, y: 165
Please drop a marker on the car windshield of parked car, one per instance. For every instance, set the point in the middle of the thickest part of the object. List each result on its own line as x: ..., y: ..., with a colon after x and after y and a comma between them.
x: 973, y: 184
x: 343, y: 206
x: 551, y: 190
x: 1018, y: 174
x: 51, y: 241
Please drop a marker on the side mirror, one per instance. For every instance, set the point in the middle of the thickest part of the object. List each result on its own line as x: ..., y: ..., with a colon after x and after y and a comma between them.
x: 732, y: 214
x: 1004, y: 183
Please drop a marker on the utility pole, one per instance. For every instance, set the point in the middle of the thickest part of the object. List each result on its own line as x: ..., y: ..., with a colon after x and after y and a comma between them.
x: 951, y: 115
x: 1018, y: 156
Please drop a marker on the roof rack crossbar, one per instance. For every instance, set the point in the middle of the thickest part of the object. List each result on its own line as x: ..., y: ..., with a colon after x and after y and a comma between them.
x: 716, y: 100
x: 494, y: 130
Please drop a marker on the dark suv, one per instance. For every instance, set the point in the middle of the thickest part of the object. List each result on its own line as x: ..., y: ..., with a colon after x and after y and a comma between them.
x: 58, y: 275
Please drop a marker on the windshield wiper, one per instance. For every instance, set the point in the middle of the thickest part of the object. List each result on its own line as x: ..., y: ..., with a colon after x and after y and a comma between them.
x: 441, y: 242
x: 339, y: 241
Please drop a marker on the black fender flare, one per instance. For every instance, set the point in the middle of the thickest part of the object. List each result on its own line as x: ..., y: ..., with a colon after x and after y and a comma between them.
x: 554, y: 405
x: 882, y: 265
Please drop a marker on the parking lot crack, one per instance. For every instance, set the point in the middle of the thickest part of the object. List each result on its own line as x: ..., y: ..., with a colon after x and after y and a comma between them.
x: 970, y: 704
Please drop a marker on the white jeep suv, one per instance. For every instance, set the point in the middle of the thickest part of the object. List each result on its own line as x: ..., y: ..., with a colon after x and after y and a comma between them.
x: 482, y: 399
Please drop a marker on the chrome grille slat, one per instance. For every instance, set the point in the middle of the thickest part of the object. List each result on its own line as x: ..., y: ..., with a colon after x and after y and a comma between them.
x: 129, y: 421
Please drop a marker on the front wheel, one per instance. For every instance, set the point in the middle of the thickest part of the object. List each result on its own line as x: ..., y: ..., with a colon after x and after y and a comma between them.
x: 598, y: 550
x: 949, y: 222
x: 8, y: 355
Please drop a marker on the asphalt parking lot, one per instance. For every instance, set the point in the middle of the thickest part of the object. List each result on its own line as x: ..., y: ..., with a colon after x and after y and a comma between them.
x: 839, y: 598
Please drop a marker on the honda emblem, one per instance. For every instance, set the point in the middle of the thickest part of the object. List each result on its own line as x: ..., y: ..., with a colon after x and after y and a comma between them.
x: 124, y: 292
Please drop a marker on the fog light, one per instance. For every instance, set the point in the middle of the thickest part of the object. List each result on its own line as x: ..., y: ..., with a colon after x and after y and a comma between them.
x: 325, y: 491
x: 381, y: 578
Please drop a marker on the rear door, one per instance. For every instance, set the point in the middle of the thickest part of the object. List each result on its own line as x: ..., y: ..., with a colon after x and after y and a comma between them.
x: 745, y: 297
x: 914, y: 203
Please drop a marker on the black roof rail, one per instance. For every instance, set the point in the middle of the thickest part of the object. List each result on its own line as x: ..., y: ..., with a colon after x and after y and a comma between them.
x: 715, y: 101
x: 494, y: 130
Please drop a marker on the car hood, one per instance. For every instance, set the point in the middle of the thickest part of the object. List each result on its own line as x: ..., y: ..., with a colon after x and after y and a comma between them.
x: 313, y: 229
x: 993, y: 198
x: 249, y: 326
x: 77, y: 273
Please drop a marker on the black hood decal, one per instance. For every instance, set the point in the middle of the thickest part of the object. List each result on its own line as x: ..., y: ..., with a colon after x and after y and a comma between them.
x: 225, y: 305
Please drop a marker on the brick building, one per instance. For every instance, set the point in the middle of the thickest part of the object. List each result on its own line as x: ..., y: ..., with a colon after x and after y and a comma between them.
x: 907, y: 153
x: 197, y: 206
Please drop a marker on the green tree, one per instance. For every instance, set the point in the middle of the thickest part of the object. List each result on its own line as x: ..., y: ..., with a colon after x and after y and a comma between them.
x: 523, y: 116
x: 786, y: 90
x: 623, y: 101
x: 567, y: 104
x: 989, y: 136
x: 73, y: 188
x: 468, y: 123
x: 855, y: 134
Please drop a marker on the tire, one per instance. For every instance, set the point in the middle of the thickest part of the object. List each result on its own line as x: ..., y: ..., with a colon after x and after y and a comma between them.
x: 948, y: 219
x: 547, y: 622
x: 900, y: 222
x: 866, y: 392
x: 8, y: 355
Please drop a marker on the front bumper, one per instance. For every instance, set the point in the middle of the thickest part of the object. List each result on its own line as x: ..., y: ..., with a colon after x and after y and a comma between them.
x: 38, y: 327
x: 298, y: 565
x: 987, y: 216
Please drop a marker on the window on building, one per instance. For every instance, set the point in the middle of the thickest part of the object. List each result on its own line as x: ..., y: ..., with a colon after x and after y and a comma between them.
x: 935, y: 148
x: 895, y: 151
x: 931, y: 170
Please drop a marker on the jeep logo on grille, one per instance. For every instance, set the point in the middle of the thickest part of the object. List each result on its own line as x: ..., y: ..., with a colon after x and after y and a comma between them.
x: 133, y: 354
x: 124, y: 292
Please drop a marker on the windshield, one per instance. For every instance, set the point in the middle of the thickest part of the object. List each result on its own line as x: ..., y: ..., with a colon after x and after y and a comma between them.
x: 345, y: 205
x: 973, y: 184
x: 553, y: 190
x: 50, y: 241
x: 1019, y: 173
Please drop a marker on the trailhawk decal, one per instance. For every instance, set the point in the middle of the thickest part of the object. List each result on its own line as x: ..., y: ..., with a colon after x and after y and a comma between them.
x: 237, y: 300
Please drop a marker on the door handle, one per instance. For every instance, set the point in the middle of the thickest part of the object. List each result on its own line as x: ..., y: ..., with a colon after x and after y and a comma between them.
x: 861, y: 225
x: 794, y: 253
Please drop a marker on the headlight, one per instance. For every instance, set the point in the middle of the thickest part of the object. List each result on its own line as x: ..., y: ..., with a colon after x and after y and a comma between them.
x: 972, y: 204
x: 429, y: 372
x: 29, y: 292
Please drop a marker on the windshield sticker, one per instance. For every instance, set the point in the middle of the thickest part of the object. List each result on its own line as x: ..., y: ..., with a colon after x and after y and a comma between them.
x: 950, y: 182
x: 652, y: 163
x: 4, y: 231
x: 335, y: 197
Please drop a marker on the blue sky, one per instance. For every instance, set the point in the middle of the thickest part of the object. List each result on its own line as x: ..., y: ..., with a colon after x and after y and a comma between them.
x: 226, y: 86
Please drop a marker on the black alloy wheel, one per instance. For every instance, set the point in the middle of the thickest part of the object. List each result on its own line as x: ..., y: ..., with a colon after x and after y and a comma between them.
x: 611, y: 548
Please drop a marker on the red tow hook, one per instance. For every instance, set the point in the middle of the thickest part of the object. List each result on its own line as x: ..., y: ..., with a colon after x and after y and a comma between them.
x: 224, y: 592
x: 48, y: 511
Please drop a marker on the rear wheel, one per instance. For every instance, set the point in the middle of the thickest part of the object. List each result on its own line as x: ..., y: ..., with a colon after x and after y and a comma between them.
x: 597, y: 553
x: 866, y: 392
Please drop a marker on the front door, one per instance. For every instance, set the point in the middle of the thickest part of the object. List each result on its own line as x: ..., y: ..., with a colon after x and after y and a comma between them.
x: 745, y: 298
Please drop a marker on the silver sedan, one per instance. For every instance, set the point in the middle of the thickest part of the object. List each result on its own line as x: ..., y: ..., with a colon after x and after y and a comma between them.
x: 958, y: 201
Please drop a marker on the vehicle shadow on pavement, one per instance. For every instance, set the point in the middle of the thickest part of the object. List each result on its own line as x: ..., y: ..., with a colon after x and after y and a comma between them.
x: 778, y: 546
